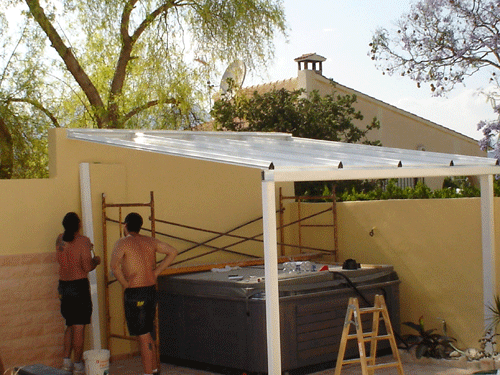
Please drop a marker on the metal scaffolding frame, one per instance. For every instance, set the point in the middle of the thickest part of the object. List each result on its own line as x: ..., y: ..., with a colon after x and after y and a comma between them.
x: 107, y: 281
x: 301, y: 219
x: 177, y: 269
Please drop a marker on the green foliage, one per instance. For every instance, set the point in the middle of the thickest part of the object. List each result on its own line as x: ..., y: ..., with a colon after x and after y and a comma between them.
x: 427, y: 342
x: 496, y: 187
x: 441, y: 44
x: 132, y: 63
x: 495, y: 312
x: 330, y: 117
x: 379, y: 190
x: 24, y: 118
x: 453, y: 187
x: 119, y: 64
x: 487, y: 343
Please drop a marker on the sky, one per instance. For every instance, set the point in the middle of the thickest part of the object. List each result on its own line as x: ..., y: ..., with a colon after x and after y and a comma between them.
x: 340, y: 31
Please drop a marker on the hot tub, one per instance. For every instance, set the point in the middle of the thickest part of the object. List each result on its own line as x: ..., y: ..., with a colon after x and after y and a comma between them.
x: 218, y: 318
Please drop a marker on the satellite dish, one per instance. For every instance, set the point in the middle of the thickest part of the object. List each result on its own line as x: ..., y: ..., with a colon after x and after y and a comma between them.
x: 235, y: 72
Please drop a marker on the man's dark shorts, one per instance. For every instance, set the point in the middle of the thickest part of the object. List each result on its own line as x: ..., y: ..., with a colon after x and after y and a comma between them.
x: 76, y: 304
x: 140, y: 309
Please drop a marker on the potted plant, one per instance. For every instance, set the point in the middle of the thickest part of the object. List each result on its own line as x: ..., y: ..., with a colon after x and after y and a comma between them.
x: 428, y: 343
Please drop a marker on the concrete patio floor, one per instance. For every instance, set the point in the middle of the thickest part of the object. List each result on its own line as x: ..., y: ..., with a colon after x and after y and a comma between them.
x: 132, y: 366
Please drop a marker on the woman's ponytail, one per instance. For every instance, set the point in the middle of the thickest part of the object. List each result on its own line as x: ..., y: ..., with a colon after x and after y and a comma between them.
x: 71, y: 224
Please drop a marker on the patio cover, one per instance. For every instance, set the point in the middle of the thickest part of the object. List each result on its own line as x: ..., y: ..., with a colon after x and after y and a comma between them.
x: 282, y: 157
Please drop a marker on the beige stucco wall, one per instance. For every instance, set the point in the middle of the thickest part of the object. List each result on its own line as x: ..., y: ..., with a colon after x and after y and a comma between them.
x: 201, y: 194
x: 398, y: 128
x: 433, y: 245
x: 28, y: 211
x: 196, y: 193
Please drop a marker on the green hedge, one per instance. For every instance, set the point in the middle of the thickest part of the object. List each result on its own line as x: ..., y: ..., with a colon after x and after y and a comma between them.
x: 453, y: 187
x: 420, y: 191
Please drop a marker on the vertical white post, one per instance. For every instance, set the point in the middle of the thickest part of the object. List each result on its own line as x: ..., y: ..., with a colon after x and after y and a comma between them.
x: 271, y: 275
x: 88, y: 230
x: 488, y: 242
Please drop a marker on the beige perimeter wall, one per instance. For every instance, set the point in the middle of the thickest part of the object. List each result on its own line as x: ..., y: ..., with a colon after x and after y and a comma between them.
x: 434, y: 245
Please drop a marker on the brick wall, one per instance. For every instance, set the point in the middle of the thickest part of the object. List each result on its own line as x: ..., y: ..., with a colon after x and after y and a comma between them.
x: 31, y: 326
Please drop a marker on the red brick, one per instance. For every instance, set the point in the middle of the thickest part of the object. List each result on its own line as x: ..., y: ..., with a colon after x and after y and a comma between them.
x: 34, y: 355
x: 18, y: 320
x: 43, y: 317
x: 29, y: 259
x: 12, y: 357
x: 10, y: 260
x: 48, y: 257
x: 10, y: 309
x: 10, y: 272
x: 55, y: 328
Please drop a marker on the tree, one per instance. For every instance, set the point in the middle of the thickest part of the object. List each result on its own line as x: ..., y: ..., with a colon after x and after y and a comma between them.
x: 330, y: 117
x: 137, y: 63
x: 130, y: 56
x: 442, y: 42
x: 23, y: 118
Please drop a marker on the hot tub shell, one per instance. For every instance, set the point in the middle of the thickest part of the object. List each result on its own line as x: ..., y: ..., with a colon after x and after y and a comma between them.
x: 218, y: 318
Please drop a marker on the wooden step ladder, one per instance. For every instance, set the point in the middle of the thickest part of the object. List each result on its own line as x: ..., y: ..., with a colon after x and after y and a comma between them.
x: 353, y: 317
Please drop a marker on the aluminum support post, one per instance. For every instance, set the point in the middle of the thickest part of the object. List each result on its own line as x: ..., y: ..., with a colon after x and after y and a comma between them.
x: 271, y: 277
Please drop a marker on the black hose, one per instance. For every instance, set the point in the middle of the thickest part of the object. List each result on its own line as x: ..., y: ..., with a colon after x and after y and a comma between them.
x: 358, y: 292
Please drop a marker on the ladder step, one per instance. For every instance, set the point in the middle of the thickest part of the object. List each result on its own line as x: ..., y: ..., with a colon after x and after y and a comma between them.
x: 377, y: 366
x: 354, y: 360
x: 384, y: 365
x: 365, y: 310
x: 380, y: 337
x: 367, y: 337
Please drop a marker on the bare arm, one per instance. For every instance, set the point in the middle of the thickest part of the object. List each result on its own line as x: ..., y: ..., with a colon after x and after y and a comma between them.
x: 116, y: 264
x: 59, y: 243
x: 169, y: 251
x: 89, y: 263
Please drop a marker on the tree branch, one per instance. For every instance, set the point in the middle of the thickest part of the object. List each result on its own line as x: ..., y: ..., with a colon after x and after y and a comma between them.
x: 441, y: 42
x: 6, y: 151
x: 128, y: 43
x: 147, y: 105
x: 69, y: 59
x: 37, y: 105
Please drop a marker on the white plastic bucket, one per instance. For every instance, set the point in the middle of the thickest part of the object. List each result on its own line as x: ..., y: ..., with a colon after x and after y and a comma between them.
x: 96, y: 362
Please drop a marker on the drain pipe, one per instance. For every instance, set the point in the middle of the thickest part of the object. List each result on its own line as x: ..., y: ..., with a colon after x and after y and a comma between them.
x: 88, y: 230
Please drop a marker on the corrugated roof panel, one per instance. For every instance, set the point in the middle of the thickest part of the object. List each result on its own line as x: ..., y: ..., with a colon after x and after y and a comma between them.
x: 287, y: 154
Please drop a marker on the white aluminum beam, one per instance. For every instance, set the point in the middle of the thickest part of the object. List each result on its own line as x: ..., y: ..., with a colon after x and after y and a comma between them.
x: 271, y: 277
x: 488, y: 242
x: 330, y: 174
x: 88, y: 230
